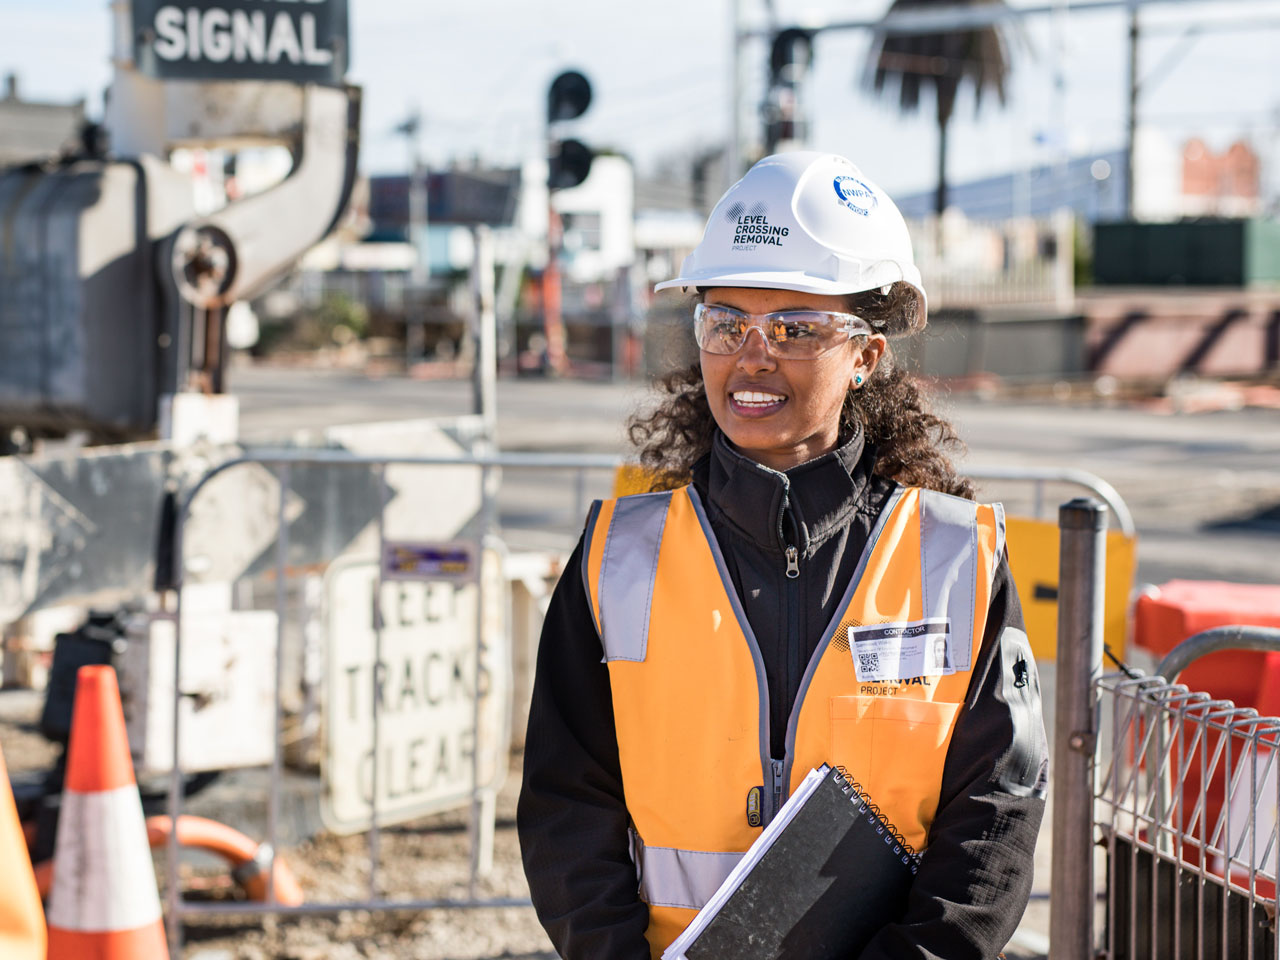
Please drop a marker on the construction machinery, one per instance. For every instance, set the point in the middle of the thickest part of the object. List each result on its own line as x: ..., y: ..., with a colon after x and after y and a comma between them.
x: 115, y: 273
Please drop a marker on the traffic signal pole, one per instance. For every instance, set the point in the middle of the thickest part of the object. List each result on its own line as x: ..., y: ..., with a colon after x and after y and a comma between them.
x: 568, y: 164
x: 552, y: 319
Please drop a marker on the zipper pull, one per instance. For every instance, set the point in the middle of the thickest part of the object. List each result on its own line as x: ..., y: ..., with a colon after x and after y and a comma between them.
x: 793, y: 563
x: 776, y: 769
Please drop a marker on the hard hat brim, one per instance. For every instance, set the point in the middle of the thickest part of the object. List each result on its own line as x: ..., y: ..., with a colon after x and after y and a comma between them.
x: 802, y: 283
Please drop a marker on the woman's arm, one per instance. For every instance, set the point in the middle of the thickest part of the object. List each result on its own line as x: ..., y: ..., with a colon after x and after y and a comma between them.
x: 975, y: 875
x: 572, y: 818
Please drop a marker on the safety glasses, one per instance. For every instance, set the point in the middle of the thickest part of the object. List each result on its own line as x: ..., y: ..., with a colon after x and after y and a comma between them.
x: 792, y: 334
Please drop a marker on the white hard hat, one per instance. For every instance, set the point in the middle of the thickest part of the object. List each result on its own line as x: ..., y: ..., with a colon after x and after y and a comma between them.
x: 805, y: 221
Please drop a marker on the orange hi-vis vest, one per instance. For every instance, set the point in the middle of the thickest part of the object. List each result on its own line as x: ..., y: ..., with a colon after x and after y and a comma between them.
x: 879, y: 698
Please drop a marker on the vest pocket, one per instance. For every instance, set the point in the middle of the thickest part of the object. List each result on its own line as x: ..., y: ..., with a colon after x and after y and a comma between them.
x: 895, y: 748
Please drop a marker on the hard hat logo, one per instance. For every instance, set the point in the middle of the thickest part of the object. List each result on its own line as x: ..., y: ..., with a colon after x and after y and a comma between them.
x: 856, y: 195
x: 736, y: 209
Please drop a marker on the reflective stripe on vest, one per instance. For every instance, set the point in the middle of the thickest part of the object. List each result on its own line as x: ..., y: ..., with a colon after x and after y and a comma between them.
x: 681, y: 878
x: 690, y: 695
x: 627, y: 573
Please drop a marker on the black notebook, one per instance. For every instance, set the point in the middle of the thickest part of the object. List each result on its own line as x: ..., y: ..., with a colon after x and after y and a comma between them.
x: 821, y: 879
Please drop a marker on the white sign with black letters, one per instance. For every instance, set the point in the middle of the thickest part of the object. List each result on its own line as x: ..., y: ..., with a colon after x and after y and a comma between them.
x: 423, y: 687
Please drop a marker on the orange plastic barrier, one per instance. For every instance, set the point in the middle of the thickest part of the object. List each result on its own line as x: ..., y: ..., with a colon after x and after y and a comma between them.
x: 1033, y: 561
x: 22, y: 933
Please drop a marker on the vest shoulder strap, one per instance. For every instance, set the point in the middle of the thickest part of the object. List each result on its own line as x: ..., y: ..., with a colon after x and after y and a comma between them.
x: 623, y: 568
x: 949, y: 559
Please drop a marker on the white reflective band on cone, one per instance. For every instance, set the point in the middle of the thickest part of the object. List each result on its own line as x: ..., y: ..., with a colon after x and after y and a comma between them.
x: 103, y: 878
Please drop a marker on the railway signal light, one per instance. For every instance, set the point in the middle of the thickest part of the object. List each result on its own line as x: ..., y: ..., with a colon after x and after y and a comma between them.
x: 569, y: 160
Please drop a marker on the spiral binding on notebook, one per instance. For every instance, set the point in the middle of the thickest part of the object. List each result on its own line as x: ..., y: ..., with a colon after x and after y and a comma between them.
x: 853, y: 790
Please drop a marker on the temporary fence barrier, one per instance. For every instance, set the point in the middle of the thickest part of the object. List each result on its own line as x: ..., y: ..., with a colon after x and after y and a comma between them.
x: 287, y: 466
x: 459, y: 560
x: 1187, y: 811
x: 1182, y: 793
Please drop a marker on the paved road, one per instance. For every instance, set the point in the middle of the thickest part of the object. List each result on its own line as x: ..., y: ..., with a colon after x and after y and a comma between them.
x: 1199, y: 485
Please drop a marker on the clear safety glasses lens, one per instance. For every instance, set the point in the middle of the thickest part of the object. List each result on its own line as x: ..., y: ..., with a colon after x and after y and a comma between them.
x: 794, y: 334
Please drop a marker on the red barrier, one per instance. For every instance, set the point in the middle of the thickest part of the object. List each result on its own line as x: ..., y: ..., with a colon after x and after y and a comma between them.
x: 1172, y: 613
x: 1181, y: 608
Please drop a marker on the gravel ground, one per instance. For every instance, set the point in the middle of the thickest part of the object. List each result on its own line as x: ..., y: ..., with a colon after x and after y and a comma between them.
x: 425, y: 859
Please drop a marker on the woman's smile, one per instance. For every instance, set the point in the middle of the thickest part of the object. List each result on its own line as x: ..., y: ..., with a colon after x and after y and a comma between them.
x: 755, y: 402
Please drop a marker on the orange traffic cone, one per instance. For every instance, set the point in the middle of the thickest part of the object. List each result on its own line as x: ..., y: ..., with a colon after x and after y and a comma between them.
x: 21, y: 916
x: 103, y: 905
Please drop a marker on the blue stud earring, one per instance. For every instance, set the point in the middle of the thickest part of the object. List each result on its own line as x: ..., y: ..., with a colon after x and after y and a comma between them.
x: 857, y: 380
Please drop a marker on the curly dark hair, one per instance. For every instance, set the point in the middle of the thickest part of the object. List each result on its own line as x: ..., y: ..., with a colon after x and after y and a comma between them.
x: 911, y: 442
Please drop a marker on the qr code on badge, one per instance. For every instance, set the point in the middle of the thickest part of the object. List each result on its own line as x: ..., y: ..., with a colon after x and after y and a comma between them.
x: 869, y: 662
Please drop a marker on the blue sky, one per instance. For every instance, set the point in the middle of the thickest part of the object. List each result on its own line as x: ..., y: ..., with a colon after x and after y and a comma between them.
x: 479, y: 70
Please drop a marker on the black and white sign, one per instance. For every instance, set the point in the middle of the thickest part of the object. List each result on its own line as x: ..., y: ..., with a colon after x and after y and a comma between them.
x: 424, y: 690
x: 304, y: 41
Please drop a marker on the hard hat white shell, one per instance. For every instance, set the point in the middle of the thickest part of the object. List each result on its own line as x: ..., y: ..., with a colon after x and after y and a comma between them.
x: 805, y: 221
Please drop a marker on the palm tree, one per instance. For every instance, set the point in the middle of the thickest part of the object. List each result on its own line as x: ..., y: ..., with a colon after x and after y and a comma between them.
x: 943, y: 61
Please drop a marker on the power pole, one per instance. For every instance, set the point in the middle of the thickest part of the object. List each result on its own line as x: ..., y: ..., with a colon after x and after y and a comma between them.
x: 1131, y: 134
x: 484, y: 379
x: 790, y: 56
x: 733, y: 154
x: 415, y: 334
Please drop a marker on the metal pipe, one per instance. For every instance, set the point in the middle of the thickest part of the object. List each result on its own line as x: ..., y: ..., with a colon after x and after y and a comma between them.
x: 282, y: 570
x: 1082, y: 567
x: 173, y: 888
x: 478, y: 830
x: 232, y: 908
x: 317, y: 457
x: 1234, y: 637
x: 1080, y: 478
x: 379, y: 678
x: 485, y: 372
x: 579, y: 493
x: 605, y: 461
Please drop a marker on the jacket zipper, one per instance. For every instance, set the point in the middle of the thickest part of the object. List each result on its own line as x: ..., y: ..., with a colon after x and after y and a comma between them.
x: 793, y: 664
x: 775, y: 769
x: 776, y: 766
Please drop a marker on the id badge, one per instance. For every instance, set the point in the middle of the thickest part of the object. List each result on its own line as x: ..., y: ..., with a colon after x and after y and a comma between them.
x: 899, y: 651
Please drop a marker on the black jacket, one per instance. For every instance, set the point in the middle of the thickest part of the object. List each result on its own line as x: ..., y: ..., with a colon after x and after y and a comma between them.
x: 975, y: 875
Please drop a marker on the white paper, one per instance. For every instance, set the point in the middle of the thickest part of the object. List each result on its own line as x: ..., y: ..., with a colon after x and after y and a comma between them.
x: 901, y: 651
x: 748, y: 862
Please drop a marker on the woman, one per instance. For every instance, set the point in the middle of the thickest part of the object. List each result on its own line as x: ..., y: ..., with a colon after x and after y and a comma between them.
x: 809, y: 582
